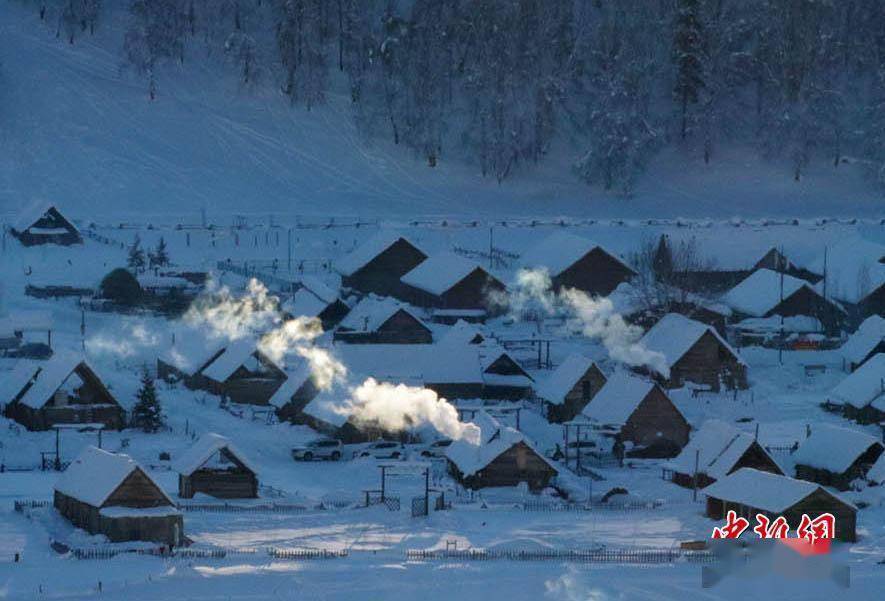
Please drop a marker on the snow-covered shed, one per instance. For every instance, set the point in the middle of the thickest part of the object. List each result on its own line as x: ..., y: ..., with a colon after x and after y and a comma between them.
x: 378, y: 264
x: 868, y: 340
x: 62, y: 390
x: 241, y: 372
x: 315, y: 299
x: 695, y: 352
x: 504, y: 457
x: 834, y: 456
x: 376, y: 320
x: 759, y: 295
x: 855, y: 274
x: 575, y: 262
x: 861, y: 395
x: 637, y: 410
x: 215, y: 466
x: 450, y: 281
x: 502, y: 376
x: 463, y: 333
x: 568, y: 388
x: 45, y: 224
x: 298, y: 390
x: 110, y: 494
x: 749, y: 492
x: 718, y: 449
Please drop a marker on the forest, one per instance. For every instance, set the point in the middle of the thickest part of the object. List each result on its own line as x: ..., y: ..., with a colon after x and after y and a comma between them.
x: 501, y: 84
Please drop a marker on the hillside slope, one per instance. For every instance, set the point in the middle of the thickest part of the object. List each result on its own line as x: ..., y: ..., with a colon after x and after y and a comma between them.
x: 76, y: 130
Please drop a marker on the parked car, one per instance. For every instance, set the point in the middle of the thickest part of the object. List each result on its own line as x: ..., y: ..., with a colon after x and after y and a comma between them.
x: 436, y: 448
x: 322, y: 448
x: 382, y: 449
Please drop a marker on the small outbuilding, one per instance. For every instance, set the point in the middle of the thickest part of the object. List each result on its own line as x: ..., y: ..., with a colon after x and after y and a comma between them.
x: 110, y: 494
x: 503, y: 377
x: 240, y: 372
x: 45, y: 225
x: 749, y: 492
x: 568, y: 389
x: 215, y: 467
x: 695, y: 352
x: 575, y: 262
x: 861, y: 395
x: 377, y: 320
x: 450, y: 281
x: 62, y: 390
x: 716, y: 450
x: 291, y: 397
x: 835, y: 456
x: 315, y: 299
x: 638, y: 411
x: 865, y: 343
x: 377, y: 265
x: 504, y: 457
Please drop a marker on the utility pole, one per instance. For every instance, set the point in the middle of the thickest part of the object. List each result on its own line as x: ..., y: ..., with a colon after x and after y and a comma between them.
x: 780, y: 351
x: 491, y: 245
x: 694, y: 491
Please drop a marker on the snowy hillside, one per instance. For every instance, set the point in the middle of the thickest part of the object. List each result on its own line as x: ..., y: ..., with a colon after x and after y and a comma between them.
x: 76, y: 130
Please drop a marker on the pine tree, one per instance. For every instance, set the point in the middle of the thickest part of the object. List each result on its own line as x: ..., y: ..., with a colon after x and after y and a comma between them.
x: 688, y: 55
x: 135, y: 261
x: 147, y: 413
x: 160, y: 257
x: 662, y: 263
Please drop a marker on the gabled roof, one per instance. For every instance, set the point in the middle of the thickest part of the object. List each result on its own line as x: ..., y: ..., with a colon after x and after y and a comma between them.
x: 495, y: 440
x: 876, y: 474
x: 868, y: 336
x: 95, y: 474
x: 760, y: 292
x: 833, y: 448
x: 363, y: 255
x: 675, y: 334
x: 322, y: 406
x: 564, y: 378
x: 234, y: 355
x: 462, y: 334
x: 559, y: 251
x: 32, y: 214
x: 304, y: 303
x: 766, y: 491
x: 854, y: 269
x: 45, y: 378
x: 295, y: 379
x: 203, y: 450
x: 618, y: 399
x: 862, y: 387
x: 440, y: 273
x: 319, y: 289
x: 421, y: 363
x: 372, y: 312
x: 191, y: 351
x: 491, y: 353
x: 720, y: 446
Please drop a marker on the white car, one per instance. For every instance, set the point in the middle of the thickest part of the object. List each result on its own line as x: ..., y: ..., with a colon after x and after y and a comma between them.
x: 323, y: 448
x: 382, y: 449
x: 436, y: 448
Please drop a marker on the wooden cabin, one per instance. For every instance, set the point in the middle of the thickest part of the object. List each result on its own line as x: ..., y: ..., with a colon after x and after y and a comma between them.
x: 215, y: 467
x: 865, y: 343
x: 574, y: 262
x: 45, y: 225
x: 760, y: 295
x: 239, y: 372
x: 502, y: 376
x: 570, y: 387
x: 749, y: 492
x: 855, y: 276
x: 638, y: 411
x: 834, y: 456
x: 62, y: 390
x: 449, y: 281
x: 377, y: 266
x: 382, y: 321
x: 861, y: 395
x: 716, y: 450
x: 293, y: 395
x: 110, y: 494
x: 315, y: 299
x: 694, y: 352
x: 504, y: 457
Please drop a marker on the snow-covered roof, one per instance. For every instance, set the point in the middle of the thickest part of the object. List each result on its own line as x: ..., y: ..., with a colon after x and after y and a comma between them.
x: 204, y: 449
x: 304, y: 303
x: 322, y: 407
x: 364, y: 254
x: 95, y: 474
x: 31, y: 214
x: 876, y: 474
x: 191, y: 351
x: 863, y: 386
x: 370, y: 313
x: 47, y: 377
x: 30, y: 319
x: 319, y: 289
x: 559, y: 251
x: 720, y: 446
x: 495, y: 439
x: 149, y: 280
x: 868, y: 336
x: 295, y: 379
x: 675, y: 334
x: 764, y: 490
x: 462, y: 334
x: 560, y: 382
x: 235, y: 354
x: 760, y: 292
x: 421, y: 363
x: 833, y: 448
x: 799, y: 324
x: 853, y: 267
x: 618, y: 399
x: 440, y: 273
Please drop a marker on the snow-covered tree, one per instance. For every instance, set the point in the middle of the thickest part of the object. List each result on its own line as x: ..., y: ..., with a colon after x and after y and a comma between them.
x: 147, y: 414
x: 135, y: 256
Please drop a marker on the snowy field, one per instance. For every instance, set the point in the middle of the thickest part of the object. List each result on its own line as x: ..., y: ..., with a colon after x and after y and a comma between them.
x: 782, y: 399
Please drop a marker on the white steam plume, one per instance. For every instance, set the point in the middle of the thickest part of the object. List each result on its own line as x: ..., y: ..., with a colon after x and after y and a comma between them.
x: 400, y: 407
x: 597, y: 318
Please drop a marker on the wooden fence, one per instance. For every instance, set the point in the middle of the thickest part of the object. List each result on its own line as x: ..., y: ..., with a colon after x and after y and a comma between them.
x: 622, y: 556
x: 595, y: 506
x: 228, y: 508
x: 215, y: 553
